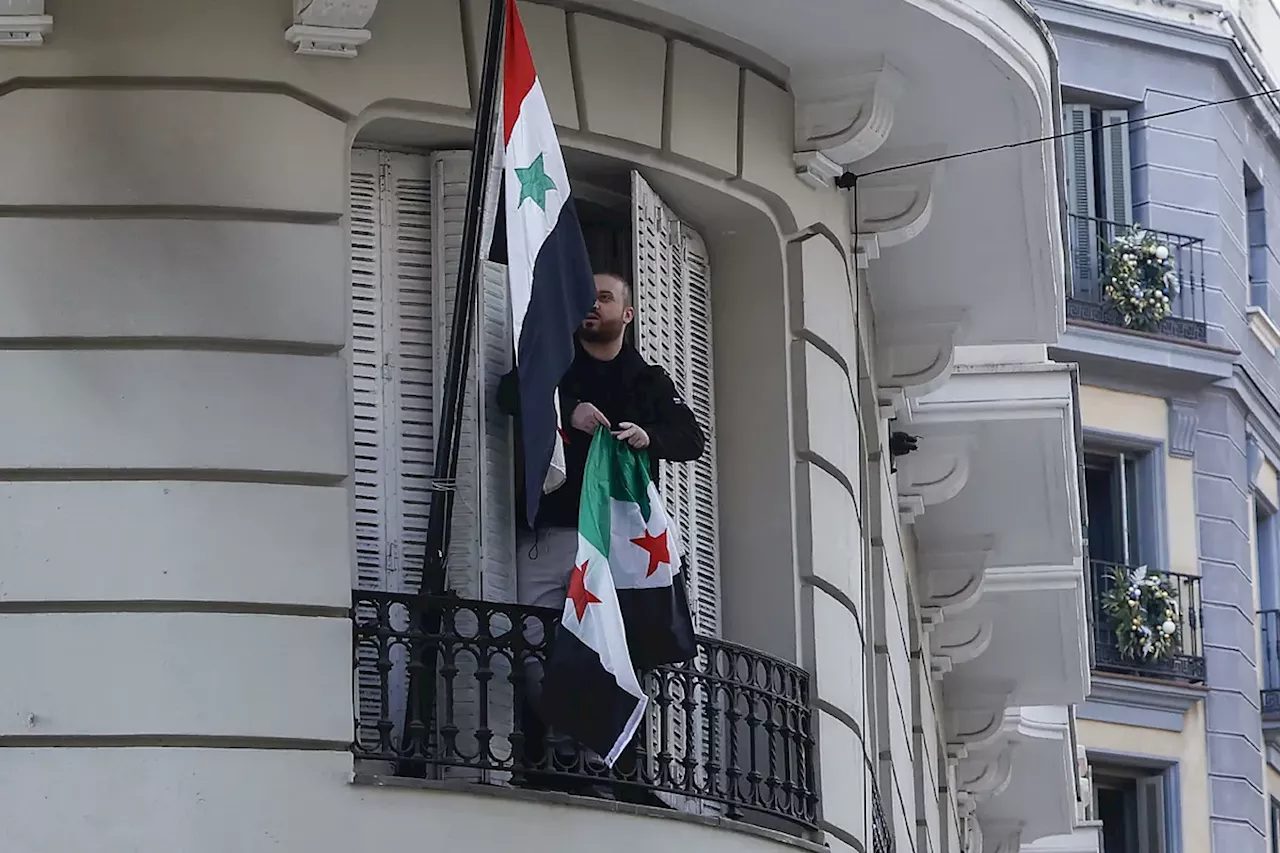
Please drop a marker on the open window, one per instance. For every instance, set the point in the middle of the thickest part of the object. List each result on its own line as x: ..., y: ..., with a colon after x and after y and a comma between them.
x: 406, y: 230
x: 1099, y: 188
x: 1121, y: 495
x: 1137, y: 807
x: 406, y: 219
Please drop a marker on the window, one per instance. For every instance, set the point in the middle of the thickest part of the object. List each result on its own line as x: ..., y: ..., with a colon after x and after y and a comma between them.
x: 1131, y: 804
x: 405, y: 217
x: 1099, y: 187
x: 1256, y: 234
x: 1275, y: 826
x: 1120, y: 495
x: 1265, y: 553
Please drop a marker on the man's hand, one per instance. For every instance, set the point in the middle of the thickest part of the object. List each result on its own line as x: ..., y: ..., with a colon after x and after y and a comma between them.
x: 632, y: 435
x: 586, y: 418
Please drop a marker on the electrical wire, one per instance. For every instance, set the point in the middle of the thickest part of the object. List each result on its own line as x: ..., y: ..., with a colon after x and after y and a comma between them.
x: 1043, y: 139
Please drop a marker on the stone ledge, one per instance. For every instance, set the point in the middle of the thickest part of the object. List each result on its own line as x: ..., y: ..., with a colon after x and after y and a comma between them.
x: 1146, y: 703
x: 561, y: 799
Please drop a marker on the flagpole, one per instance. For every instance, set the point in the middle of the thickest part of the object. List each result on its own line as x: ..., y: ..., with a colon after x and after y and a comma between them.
x: 444, y: 475
x: 420, y: 699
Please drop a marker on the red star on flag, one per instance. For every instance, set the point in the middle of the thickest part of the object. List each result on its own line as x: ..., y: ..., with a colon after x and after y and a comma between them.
x: 659, y: 552
x: 578, y: 592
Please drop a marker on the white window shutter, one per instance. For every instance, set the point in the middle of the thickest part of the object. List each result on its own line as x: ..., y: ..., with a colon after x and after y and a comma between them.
x: 391, y: 362
x: 391, y: 367
x: 703, y: 536
x: 408, y: 258
x: 1117, y: 187
x: 367, y: 352
x: 672, y: 283
x: 482, y: 542
x: 1083, y: 229
x: 481, y: 554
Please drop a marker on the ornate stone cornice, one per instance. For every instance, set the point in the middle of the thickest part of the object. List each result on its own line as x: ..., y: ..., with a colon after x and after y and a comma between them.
x: 23, y: 23
x: 845, y: 113
x: 330, y: 27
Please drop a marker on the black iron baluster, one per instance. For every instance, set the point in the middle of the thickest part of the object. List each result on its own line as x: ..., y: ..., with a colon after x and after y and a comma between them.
x: 728, y: 693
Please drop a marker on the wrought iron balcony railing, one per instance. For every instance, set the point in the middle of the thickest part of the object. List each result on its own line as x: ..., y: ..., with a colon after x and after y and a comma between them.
x: 1185, y: 662
x: 1087, y: 240
x: 1269, y: 627
x: 442, y: 693
x: 881, y: 831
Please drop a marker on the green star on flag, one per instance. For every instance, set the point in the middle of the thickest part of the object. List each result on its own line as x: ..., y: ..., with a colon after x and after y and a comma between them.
x: 534, y: 183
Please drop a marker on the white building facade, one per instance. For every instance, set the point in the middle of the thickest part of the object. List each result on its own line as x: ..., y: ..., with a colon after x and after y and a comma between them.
x: 227, y: 263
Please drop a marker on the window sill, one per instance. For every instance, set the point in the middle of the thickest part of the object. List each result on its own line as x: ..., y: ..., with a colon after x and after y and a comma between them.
x: 1263, y: 328
x: 559, y: 799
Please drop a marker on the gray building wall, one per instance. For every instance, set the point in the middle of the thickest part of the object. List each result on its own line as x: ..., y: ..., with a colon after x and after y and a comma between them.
x: 1188, y: 178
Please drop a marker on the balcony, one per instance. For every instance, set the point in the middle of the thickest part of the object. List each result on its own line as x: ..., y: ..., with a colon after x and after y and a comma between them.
x: 1087, y: 240
x: 441, y: 696
x: 1269, y: 627
x: 1184, y: 662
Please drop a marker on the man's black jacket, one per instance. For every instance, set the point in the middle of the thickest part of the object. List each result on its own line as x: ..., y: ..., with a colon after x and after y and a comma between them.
x: 626, y: 389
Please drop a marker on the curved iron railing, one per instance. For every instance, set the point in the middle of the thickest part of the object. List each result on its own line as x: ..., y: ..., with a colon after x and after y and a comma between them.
x: 881, y: 834
x: 443, y: 692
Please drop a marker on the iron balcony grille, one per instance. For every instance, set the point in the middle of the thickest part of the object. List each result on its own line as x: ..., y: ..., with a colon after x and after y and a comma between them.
x: 1087, y: 239
x: 1187, y: 661
x: 1269, y: 626
x: 442, y: 694
x: 881, y: 834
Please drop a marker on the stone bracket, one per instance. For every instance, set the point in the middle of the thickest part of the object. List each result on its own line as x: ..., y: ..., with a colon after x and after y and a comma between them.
x: 845, y: 113
x: 24, y: 23
x: 330, y: 27
x: 916, y: 355
x: 891, y: 209
x: 933, y: 474
x: 1183, y: 422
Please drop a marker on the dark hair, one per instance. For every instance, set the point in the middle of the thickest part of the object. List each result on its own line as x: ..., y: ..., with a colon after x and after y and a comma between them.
x: 627, y: 294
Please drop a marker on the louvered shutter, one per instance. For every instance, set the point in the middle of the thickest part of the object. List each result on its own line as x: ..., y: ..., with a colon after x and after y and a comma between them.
x: 1117, y: 192
x: 673, y: 329
x: 403, y: 206
x: 367, y: 353
x: 703, y: 528
x: 1082, y: 225
x: 407, y: 273
x: 391, y: 365
x: 391, y: 362
x: 672, y: 281
x: 482, y: 541
x: 481, y: 555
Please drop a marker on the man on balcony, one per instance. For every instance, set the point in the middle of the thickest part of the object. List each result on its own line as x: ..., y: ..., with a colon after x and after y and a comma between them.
x: 609, y: 384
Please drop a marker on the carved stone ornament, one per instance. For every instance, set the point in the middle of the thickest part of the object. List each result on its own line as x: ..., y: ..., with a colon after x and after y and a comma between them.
x: 23, y: 23
x: 330, y: 27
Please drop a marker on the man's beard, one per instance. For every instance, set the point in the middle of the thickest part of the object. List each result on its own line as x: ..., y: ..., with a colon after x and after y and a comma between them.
x: 605, y: 332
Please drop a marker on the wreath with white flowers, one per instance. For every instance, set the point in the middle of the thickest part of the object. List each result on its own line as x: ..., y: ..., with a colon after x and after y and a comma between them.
x: 1145, y: 613
x: 1140, y: 281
